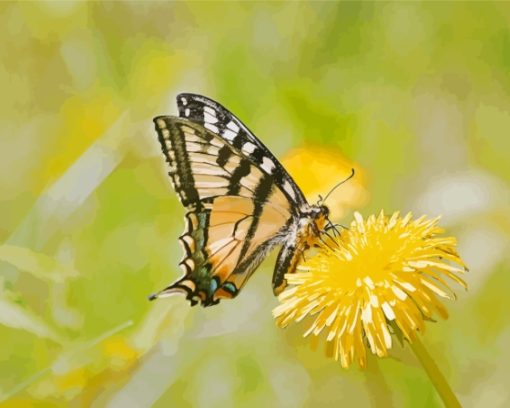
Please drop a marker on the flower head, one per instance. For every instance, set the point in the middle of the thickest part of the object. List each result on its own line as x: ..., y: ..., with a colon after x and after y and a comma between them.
x: 380, y: 275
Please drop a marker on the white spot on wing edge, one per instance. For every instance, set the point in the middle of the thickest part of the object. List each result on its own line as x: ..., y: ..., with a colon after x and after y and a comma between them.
x: 189, y: 241
x: 192, y: 219
x: 209, y: 110
x: 231, y: 125
x: 187, y: 112
x: 211, y: 127
x: 161, y: 123
x: 229, y: 134
x: 166, y: 133
x: 288, y: 189
x: 177, y: 182
x: 210, y: 118
x: 248, y: 147
x: 184, y: 101
x: 267, y: 165
x: 189, y: 262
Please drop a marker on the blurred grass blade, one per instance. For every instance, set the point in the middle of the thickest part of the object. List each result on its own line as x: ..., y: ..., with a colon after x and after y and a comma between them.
x: 157, y: 322
x: 69, y: 192
x: 66, y: 360
x: 77, y: 355
x: 164, y: 362
x: 13, y: 315
x: 39, y: 265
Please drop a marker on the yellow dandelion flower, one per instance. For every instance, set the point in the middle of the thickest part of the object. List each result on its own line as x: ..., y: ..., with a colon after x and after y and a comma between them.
x: 380, y: 274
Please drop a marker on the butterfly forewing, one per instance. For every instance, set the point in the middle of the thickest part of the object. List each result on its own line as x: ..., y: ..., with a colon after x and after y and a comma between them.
x: 220, y: 121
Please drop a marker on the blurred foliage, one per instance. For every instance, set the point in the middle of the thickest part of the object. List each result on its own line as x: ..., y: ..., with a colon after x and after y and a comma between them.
x: 415, y: 94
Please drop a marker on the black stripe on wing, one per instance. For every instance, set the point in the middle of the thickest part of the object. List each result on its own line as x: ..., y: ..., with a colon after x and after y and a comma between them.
x: 240, y: 171
x: 173, y: 144
x: 222, y: 122
x: 188, y: 146
x: 203, y: 165
x: 262, y: 193
x: 197, y: 283
x: 200, y: 283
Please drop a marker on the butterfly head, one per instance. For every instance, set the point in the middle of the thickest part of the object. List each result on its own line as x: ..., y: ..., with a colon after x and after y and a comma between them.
x: 317, y: 215
x: 318, y: 211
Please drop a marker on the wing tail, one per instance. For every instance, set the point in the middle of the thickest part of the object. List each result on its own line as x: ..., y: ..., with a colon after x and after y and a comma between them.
x: 183, y: 286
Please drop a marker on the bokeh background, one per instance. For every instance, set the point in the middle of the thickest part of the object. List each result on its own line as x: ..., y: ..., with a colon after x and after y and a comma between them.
x: 416, y: 95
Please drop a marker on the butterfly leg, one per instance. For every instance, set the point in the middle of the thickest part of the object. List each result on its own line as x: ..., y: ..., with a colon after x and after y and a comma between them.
x: 286, y: 262
x: 332, y: 226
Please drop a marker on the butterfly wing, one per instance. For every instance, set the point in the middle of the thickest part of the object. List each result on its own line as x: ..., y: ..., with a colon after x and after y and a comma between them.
x: 221, y: 122
x: 236, y: 210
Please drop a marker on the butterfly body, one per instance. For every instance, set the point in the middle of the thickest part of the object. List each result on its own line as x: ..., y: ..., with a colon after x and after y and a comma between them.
x: 240, y: 202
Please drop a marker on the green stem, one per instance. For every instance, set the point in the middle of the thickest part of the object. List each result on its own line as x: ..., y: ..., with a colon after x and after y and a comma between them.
x: 437, y: 378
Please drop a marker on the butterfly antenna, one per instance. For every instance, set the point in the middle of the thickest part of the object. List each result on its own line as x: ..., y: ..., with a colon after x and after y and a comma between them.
x: 336, y: 186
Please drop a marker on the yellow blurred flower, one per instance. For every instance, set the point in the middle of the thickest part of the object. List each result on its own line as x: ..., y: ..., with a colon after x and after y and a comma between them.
x: 381, y: 273
x: 83, y: 119
x: 317, y: 170
x: 73, y: 381
x: 120, y: 352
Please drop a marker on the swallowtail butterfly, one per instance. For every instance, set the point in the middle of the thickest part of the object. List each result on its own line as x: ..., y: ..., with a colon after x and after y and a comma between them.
x: 240, y: 202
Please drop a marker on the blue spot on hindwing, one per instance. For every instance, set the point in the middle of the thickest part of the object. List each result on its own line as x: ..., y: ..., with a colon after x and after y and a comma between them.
x: 213, y: 286
x: 230, y: 287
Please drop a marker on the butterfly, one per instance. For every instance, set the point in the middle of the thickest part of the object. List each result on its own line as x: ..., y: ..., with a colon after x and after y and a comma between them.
x: 240, y: 202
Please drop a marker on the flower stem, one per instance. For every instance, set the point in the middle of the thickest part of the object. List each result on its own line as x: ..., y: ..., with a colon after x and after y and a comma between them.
x: 436, y: 377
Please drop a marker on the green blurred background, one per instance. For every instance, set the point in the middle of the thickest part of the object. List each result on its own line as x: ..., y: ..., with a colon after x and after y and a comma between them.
x: 416, y: 94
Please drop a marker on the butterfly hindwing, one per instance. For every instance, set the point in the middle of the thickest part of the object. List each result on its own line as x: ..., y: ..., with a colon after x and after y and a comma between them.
x: 236, y: 211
